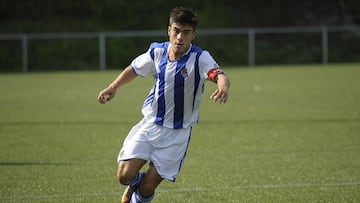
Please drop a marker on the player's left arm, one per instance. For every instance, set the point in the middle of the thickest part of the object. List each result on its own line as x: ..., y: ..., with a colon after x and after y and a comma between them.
x: 218, y: 76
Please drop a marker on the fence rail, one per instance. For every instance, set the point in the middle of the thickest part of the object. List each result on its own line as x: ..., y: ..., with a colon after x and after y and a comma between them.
x: 250, y: 32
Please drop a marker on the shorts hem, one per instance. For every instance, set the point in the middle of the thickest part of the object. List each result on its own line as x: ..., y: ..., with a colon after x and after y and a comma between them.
x: 132, y: 157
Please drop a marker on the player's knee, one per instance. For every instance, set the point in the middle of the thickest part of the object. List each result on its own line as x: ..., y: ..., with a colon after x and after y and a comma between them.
x: 124, y: 175
x: 128, y: 170
x: 124, y: 178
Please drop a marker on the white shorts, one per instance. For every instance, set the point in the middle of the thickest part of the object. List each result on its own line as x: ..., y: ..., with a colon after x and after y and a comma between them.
x: 164, y: 147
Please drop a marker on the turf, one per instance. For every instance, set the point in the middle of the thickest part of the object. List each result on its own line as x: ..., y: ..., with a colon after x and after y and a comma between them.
x: 287, y: 134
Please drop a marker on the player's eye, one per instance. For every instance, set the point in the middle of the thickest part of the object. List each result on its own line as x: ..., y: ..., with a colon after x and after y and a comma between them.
x: 177, y: 31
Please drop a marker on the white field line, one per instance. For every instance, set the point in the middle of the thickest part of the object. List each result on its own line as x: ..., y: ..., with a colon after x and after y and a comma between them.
x: 180, y: 190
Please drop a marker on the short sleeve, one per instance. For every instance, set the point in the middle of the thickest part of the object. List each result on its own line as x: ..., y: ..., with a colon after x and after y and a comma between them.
x: 143, y: 64
x: 206, y: 63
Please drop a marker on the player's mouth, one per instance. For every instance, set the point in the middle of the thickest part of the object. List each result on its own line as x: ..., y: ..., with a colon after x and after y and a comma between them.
x: 178, y: 45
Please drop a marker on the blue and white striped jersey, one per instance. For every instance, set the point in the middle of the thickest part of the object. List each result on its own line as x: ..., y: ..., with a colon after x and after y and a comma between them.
x: 174, y: 99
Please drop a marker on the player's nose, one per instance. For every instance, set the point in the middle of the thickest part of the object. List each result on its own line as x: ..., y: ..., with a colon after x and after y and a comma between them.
x: 179, y: 35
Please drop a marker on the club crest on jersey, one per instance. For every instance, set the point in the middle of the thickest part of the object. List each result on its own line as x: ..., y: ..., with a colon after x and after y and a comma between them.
x: 184, y: 72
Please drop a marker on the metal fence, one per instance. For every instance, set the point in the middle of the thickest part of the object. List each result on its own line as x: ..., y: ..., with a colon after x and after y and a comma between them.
x: 251, y: 33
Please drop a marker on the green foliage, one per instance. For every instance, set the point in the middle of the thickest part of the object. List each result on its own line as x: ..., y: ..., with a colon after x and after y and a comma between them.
x: 344, y: 46
x: 287, y: 134
x: 120, y: 51
x: 83, y: 54
x: 10, y: 56
x: 226, y: 49
x: 34, y: 16
x: 289, y: 48
x: 73, y: 54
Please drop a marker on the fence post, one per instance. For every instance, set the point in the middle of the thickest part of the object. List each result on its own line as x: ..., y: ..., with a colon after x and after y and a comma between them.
x: 102, y: 52
x: 325, y: 50
x: 251, y: 48
x: 24, y: 43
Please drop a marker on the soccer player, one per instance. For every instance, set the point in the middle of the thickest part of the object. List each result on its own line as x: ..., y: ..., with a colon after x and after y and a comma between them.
x: 170, y: 110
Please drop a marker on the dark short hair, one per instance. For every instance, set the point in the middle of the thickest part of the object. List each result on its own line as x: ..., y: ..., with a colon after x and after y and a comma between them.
x: 183, y: 16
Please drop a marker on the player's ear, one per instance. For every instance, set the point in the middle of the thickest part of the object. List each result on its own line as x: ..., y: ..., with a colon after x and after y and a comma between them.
x: 169, y: 28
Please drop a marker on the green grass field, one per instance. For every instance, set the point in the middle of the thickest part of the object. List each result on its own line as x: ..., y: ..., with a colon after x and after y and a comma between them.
x: 287, y: 134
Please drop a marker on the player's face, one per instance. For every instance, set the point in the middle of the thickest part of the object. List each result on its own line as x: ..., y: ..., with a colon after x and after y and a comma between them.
x: 180, y: 37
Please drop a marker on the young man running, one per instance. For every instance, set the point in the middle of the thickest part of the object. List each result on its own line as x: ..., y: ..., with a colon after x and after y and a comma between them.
x: 171, y: 108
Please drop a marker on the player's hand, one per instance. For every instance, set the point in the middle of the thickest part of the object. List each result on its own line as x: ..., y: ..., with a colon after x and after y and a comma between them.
x: 106, y: 95
x: 220, y: 95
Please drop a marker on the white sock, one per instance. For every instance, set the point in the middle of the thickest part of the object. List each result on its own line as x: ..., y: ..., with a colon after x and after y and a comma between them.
x: 138, y: 198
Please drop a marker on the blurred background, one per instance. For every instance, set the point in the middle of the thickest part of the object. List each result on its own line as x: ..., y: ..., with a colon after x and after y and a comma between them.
x: 91, y: 35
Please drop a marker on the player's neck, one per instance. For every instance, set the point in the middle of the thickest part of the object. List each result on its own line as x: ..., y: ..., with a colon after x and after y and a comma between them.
x: 175, y: 54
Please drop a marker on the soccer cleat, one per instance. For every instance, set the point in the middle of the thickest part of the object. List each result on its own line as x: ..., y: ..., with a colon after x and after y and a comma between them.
x: 126, y: 197
x: 131, y: 188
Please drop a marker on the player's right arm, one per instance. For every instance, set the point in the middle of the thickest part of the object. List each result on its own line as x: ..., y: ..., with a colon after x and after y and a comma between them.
x: 124, y: 77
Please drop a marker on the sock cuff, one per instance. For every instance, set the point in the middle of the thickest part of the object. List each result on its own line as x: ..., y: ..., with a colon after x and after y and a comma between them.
x: 137, y: 180
x: 145, y: 199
